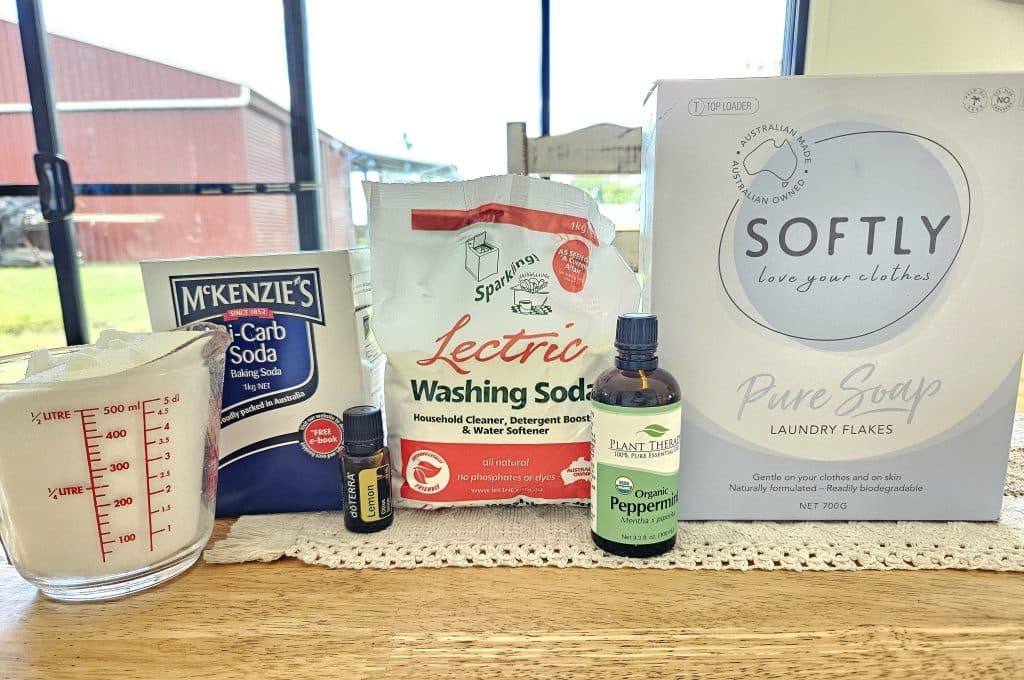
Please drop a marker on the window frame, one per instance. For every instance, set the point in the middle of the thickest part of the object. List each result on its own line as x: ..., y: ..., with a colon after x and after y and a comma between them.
x: 794, y: 38
x: 56, y: 191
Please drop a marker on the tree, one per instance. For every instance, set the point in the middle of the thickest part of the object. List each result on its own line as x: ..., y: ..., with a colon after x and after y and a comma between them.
x: 608, y: 189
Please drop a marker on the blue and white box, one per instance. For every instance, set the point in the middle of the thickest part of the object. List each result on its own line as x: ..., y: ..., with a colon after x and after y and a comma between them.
x: 302, y: 352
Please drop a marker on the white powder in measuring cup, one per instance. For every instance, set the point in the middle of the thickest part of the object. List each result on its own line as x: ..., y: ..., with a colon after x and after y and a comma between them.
x: 101, y: 467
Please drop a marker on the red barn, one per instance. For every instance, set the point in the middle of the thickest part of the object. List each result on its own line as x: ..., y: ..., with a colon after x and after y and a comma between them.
x: 125, y: 119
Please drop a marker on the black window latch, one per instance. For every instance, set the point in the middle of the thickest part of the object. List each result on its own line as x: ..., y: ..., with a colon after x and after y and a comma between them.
x: 56, y: 192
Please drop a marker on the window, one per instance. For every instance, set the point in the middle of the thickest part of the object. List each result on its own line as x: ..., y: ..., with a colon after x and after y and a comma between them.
x: 30, y: 314
x: 431, y: 82
x: 135, y: 107
x: 174, y: 119
x: 604, y: 61
x: 164, y: 92
x: 424, y: 88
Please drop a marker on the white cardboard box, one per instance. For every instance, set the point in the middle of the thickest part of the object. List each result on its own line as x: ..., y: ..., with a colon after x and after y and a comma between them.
x: 302, y: 352
x: 836, y: 266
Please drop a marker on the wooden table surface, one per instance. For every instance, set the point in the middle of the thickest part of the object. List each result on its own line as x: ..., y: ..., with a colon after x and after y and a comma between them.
x: 288, y: 619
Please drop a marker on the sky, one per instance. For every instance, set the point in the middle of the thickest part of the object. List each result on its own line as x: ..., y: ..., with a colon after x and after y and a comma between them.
x: 438, y: 81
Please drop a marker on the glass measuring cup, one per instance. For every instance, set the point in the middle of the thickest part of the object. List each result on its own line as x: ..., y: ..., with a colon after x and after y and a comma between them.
x: 108, y: 484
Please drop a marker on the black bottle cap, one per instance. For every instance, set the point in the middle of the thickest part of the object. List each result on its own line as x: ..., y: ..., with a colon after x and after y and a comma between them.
x: 363, y: 430
x: 636, y: 333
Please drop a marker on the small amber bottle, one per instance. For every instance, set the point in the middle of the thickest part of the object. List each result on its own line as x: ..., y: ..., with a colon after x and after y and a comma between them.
x: 637, y: 416
x: 365, y: 471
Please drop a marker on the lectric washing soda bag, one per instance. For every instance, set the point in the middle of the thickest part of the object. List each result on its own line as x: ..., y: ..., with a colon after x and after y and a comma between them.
x: 495, y: 302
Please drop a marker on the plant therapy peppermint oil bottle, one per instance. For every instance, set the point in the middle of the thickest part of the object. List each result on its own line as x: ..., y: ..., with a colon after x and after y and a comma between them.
x: 634, y: 491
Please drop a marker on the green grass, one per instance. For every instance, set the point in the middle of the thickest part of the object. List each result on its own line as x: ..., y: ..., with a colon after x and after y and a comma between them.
x: 30, y: 310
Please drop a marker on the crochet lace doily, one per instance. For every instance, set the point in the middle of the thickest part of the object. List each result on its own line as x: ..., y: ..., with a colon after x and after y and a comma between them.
x: 559, y: 536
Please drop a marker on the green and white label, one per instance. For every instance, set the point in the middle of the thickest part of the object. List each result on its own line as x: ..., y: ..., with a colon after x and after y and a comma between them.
x: 634, y: 492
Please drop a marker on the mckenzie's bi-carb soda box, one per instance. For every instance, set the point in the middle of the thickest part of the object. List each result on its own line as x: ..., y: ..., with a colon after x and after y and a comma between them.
x: 836, y: 263
x: 301, y: 353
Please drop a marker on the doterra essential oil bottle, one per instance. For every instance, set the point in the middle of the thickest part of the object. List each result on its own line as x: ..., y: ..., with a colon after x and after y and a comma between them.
x: 634, y: 490
x: 365, y: 471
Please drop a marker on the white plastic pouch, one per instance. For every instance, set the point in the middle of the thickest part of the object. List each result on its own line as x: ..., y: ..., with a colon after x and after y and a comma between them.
x: 495, y: 302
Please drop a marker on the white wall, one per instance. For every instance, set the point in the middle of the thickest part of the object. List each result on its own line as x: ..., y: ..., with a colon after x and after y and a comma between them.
x: 914, y: 36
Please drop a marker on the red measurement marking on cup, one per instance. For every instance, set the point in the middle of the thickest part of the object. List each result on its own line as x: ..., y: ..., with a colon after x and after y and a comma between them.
x: 90, y: 433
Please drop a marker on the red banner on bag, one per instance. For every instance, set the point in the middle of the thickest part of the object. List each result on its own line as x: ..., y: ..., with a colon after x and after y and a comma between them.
x: 443, y: 472
x: 497, y: 213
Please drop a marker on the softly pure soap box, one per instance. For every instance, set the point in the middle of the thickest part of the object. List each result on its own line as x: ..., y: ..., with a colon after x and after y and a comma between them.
x: 301, y: 353
x: 836, y: 266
